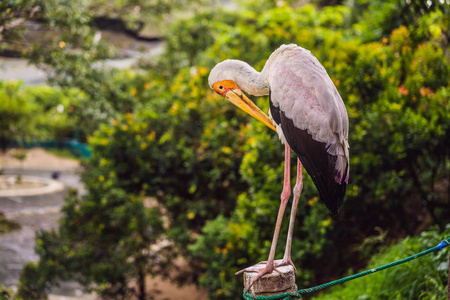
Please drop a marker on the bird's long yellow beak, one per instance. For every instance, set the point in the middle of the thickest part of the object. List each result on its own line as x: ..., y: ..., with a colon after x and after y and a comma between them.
x: 238, y: 98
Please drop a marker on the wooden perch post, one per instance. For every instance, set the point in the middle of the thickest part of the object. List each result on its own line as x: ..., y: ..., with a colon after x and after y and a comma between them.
x: 271, y: 284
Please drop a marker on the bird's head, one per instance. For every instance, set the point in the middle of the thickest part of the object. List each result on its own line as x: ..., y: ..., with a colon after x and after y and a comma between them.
x: 224, y: 86
x: 228, y: 89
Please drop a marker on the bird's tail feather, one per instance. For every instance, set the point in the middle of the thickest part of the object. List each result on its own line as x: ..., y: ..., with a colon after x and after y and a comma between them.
x: 331, y: 192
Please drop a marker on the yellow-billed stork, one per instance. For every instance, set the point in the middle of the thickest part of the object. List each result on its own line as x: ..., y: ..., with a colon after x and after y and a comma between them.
x: 309, y: 117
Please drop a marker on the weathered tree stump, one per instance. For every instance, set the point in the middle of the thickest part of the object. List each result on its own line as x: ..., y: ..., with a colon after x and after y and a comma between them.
x: 271, y: 284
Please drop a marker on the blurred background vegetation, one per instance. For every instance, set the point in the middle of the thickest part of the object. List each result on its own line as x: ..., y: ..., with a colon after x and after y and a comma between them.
x: 177, y: 172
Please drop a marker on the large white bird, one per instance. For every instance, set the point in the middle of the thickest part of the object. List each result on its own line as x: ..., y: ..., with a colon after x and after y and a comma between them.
x: 309, y: 117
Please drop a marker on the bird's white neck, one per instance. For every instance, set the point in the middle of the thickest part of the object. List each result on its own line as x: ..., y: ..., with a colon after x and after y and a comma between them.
x: 247, y: 78
x: 251, y: 81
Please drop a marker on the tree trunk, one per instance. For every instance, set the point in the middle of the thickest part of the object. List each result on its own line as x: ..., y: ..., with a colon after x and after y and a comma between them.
x: 141, y: 284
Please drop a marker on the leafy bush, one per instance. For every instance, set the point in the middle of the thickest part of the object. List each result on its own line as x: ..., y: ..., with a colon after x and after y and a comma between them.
x: 33, y: 113
x: 178, y: 148
x: 424, y: 278
x: 32, y: 285
x: 16, y: 111
x: 7, y: 225
x: 7, y: 294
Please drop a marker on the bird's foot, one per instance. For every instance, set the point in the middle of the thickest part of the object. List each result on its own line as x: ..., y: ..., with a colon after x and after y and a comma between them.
x: 285, y: 262
x: 260, y: 269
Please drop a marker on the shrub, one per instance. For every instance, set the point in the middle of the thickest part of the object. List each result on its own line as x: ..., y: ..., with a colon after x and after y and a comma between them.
x: 424, y: 278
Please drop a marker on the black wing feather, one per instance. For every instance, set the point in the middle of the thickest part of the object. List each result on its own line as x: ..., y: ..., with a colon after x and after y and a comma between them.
x: 319, y: 164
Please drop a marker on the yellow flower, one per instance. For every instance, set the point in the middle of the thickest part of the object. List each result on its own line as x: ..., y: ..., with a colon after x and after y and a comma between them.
x: 227, y: 150
x: 312, y: 201
x: 147, y: 85
x: 151, y: 136
x: 101, y: 178
x: 203, y: 71
x: 327, y: 222
x: 62, y: 45
x: 190, y: 215
x: 133, y: 91
x: 173, y: 109
x: 336, y: 82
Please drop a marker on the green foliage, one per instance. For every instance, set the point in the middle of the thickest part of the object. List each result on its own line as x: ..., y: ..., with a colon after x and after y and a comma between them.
x: 404, y: 123
x: 20, y: 155
x: 63, y: 153
x: 68, y: 55
x: 31, y: 284
x: 377, y: 19
x: 16, y: 111
x: 179, y: 148
x: 41, y: 112
x: 187, y: 37
x: 136, y: 13
x: 71, y: 50
x: 7, y: 294
x: 12, y: 18
x: 7, y: 225
x: 69, y: 23
x: 424, y: 278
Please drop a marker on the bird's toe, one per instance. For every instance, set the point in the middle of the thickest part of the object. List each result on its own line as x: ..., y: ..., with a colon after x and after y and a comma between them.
x: 285, y: 262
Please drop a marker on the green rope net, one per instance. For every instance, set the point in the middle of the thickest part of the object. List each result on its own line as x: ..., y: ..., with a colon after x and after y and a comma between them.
x: 297, y: 293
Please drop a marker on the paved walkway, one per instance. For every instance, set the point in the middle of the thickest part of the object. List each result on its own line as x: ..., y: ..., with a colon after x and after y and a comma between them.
x: 33, y: 213
x: 38, y: 159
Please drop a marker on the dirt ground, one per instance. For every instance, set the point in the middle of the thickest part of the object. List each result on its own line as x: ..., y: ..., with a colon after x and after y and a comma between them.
x: 43, y: 213
x: 170, y: 291
x: 37, y: 158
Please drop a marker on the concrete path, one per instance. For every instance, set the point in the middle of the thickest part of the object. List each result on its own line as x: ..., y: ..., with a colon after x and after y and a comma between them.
x: 33, y: 213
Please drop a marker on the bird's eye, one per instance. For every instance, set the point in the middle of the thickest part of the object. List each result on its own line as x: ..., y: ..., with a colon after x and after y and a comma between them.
x: 220, y: 87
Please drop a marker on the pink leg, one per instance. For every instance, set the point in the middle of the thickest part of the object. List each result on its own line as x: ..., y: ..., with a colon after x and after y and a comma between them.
x: 297, y: 191
x: 284, y: 200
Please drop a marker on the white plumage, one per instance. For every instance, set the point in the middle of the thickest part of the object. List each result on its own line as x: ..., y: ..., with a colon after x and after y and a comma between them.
x: 302, y: 89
